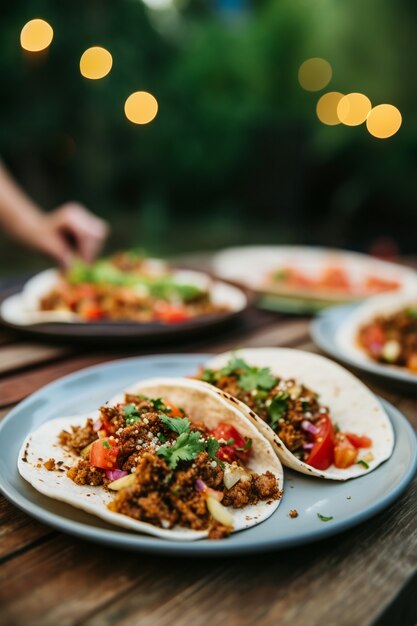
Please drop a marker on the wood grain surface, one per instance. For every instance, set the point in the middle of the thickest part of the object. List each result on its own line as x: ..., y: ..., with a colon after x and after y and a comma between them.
x: 46, y: 578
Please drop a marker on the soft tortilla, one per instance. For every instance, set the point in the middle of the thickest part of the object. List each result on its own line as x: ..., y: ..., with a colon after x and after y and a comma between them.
x: 352, y: 406
x: 203, y: 404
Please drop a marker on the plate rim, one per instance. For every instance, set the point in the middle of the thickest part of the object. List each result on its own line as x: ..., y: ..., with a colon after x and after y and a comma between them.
x: 144, y: 544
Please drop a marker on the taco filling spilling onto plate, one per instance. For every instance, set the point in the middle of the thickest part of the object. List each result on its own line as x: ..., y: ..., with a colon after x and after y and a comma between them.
x: 392, y: 339
x: 165, y: 469
x: 128, y: 287
x: 294, y: 413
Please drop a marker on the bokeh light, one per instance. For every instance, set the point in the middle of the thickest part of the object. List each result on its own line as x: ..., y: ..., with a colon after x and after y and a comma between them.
x: 314, y: 74
x: 384, y: 121
x: 353, y: 109
x: 141, y: 107
x: 326, y: 108
x: 95, y: 63
x: 36, y: 35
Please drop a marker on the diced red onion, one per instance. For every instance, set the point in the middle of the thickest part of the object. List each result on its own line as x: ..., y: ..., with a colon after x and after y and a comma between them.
x: 97, y: 425
x: 200, y: 485
x: 308, y: 446
x: 309, y: 427
x: 115, y: 474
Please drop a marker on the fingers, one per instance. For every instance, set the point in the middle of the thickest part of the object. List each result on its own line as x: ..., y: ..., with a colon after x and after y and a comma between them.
x: 87, y: 230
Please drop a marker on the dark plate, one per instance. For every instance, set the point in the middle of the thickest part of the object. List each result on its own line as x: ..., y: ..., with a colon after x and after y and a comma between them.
x: 124, y: 333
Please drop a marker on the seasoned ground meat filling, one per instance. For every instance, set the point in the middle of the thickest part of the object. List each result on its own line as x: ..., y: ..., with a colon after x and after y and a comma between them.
x: 168, y: 465
x: 86, y: 474
x: 392, y: 338
x: 79, y: 438
x: 283, y: 404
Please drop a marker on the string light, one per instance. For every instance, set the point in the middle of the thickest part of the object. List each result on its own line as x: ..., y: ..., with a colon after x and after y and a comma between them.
x: 141, y: 107
x: 95, y: 63
x: 326, y: 108
x: 314, y: 74
x: 36, y: 35
x: 384, y: 121
x: 353, y: 109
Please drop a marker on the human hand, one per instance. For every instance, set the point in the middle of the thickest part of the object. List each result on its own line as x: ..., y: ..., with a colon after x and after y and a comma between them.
x: 68, y: 232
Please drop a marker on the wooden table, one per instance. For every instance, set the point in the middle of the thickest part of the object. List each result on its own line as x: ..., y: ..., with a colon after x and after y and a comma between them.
x: 364, y: 576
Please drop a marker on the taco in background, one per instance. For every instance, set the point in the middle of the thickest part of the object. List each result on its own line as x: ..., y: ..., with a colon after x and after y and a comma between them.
x: 170, y: 457
x: 383, y: 330
x: 320, y: 419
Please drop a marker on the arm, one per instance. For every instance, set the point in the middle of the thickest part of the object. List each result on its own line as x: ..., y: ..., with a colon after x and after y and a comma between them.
x: 68, y: 231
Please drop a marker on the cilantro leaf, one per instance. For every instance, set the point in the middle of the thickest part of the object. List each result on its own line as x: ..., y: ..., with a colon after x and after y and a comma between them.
x: 106, y: 445
x: 412, y: 312
x: 277, y: 408
x: 234, y: 364
x: 257, y: 378
x: 177, y: 424
x: 324, y: 518
x: 209, y: 376
x: 247, y: 446
x: 187, y: 446
x: 158, y: 404
x: 212, y: 447
x: 131, y: 414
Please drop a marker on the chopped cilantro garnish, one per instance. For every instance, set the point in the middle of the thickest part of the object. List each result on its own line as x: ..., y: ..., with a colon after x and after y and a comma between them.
x: 247, y: 445
x: 161, y: 437
x: 159, y: 405
x: 363, y: 463
x: 277, y: 408
x: 209, y: 376
x: 177, y: 424
x: 230, y: 442
x: 187, y: 446
x: 336, y: 428
x: 305, y: 405
x: 106, y: 445
x: 233, y: 365
x: 411, y: 312
x: 212, y: 447
x: 324, y: 518
x: 131, y: 414
x: 280, y: 274
x: 257, y: 378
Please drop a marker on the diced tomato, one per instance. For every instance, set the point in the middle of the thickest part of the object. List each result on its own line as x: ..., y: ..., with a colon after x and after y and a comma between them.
x: 92, y: 312
x: 322, y: 452
x: 359, y: 441
x: 373, y: 338
x: 335, y: 277
x: 232, y: 451
x: 104, y: 453
x: 170, y: 313
x: 345, y: 454
x: 174, y: 411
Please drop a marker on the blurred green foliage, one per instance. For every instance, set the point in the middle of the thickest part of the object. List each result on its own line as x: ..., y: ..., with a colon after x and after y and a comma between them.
x: 236, y: 153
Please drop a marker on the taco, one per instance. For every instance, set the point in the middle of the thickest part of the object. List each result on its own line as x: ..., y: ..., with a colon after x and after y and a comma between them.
x: 320, y: 419
x: 169, y: 457
x: 383, y: 330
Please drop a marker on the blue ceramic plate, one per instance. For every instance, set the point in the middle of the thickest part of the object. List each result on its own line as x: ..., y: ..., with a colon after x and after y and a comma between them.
x: 323, y: 331
x: 347, y: 503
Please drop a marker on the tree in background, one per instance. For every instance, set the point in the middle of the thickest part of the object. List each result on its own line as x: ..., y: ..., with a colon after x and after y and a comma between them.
x: 236, y: 152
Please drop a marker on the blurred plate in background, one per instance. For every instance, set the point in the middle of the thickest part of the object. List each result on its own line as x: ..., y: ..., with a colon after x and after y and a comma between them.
x: 300, y: 279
